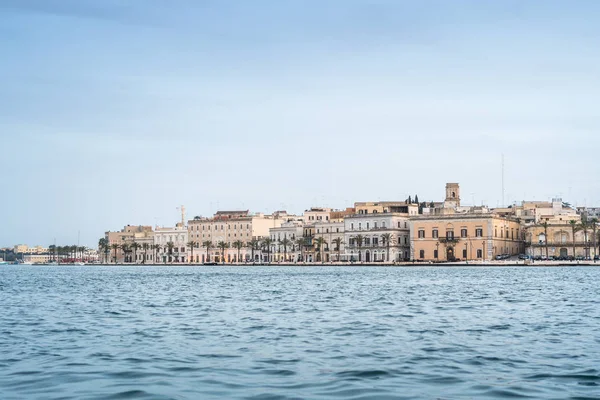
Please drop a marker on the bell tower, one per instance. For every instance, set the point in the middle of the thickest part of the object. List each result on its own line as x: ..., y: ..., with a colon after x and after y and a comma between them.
x: 452, y: 195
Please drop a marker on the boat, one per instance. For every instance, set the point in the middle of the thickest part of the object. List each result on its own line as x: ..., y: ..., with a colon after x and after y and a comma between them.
x: 210, y: 263
x: 79, y: 263
x: 3, y: 262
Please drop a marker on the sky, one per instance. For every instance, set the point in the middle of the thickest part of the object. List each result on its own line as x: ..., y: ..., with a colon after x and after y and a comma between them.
x: 117, y: 112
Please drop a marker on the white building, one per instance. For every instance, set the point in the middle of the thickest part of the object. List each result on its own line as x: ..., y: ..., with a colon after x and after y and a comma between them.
x: 365, y: 236
x: 292, y: 231
x: 178, y: 236
x: 331, y: 234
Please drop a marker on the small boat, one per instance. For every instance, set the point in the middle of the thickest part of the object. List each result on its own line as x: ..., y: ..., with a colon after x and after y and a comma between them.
x: 210, y: 263
x: 3, y: 262
x: 27, y: 263
x: 79, y: 263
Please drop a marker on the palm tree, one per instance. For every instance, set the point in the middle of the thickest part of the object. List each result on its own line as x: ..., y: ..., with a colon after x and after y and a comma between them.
x: 359, y: 242
x: 594, y: 226
x: 300, y: 242
x: 574, y: 229
x: 125, y: 248
x: 135, y: 246
x: 169, y: 248
x: 115, y: 247
x: 386, y: 240
x: 320, y: 242
x: 208, y: 244
x: 545, y: 226
x: 266, y: 244
x: 156, y: 248
x: 585, y: 226
x: 285, y: 243
x: 222, y: 246
x: 145, y: 247
x: 254, y: 245
x: 338, y: 244
x: 238, y: 244
x: 191, y: 244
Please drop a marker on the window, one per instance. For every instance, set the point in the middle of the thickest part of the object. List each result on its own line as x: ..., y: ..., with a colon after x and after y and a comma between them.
x: 450, y: 235
x: 435, y: 254
x: 359, y: 226
x: 421, y: 253
x: 375, y: 241
x: 405, y: 224
x: 352, y: 226
x: 479, y: 253
x: 399, y: 225
x: 337, y: 230
x: 367, y: 225
x: 382, y: 224
x: 463, y: 233
x: 434, y: 234
x: 479, y: 232
x: 421, y: 233
x: 465, y: 254
x: 375, y: 225
x: 367, y: 241
x: 405, y: 239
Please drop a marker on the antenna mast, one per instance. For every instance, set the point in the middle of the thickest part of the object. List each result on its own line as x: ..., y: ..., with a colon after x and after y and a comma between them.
x: 502, y: 179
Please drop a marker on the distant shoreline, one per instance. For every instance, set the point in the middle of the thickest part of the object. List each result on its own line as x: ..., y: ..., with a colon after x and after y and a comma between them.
x: 356, y: 264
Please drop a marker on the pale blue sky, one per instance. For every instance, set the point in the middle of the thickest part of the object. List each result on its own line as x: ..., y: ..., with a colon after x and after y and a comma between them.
x: 116, y: 112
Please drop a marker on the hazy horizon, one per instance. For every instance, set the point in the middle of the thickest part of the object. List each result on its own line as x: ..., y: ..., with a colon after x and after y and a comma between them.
x: 117, y: 113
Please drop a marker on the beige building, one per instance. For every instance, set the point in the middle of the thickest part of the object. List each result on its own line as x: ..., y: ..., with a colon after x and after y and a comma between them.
x: 230, y: 227
x: 464, y: 237
x: 556, y: 237
x: 127, y: 235
x: 330, y: 233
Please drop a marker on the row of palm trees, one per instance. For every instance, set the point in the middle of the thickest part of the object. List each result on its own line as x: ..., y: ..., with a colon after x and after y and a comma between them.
x: 584, y: 226
x: 263, y: 246
x: 61, y: 253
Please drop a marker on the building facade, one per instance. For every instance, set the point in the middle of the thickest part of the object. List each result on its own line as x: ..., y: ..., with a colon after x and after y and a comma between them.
x: 378, y: 237
x: 464, y: 237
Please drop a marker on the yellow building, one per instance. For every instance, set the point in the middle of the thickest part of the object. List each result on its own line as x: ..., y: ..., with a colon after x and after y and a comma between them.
x: 467, y: 237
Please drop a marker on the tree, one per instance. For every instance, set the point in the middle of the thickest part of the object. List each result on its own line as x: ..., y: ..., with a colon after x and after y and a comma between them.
x: 431, y: 205
x: 170, y: 246
x: 156, y: 248
x: 115, y: 247
x: 145, y: 247
x: 125, y: 249
x: 585, y: 227
x: 222, y: 246
x: 300, y: 242
x: 416, y: 199
x: 254, y: 245
x: 266, y: 244
x: 238, y: 245
x: 320, y: 242
x: 191, y: 245
x: 409, y: 200
x: 545, y: 226
x: 359, y: 242
x: 197, y: 218
x: 208, y: 245
x: 285, y: 243
x: 102, y: 246
x: 594, y: 227
x: 386, y: 240
x: 574, y: 229
x: 338, y: 244
x: 135, y: 246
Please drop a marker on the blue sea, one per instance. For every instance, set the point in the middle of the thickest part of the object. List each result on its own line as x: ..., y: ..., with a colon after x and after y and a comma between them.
x: 160, y: 332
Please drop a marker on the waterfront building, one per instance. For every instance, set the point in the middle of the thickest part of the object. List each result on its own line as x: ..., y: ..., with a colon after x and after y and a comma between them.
x: 284, y: 241
x: 123, y: 240
x: 171, y: 244
x: 329, y: 240
x: 25, y: 249
x: 230, y: 227
x: 466, y: 236
x: 556, y: 237
x: 37, y: 258
x: 381, y: 233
